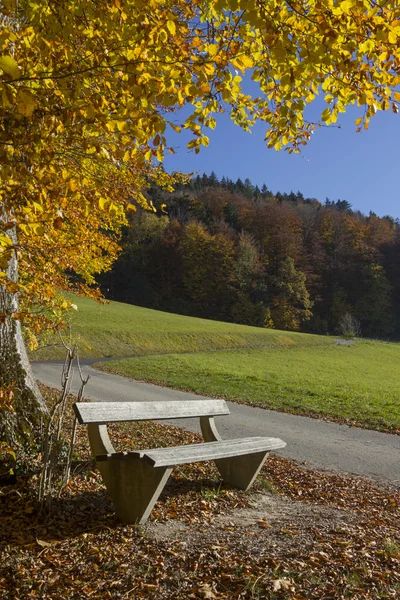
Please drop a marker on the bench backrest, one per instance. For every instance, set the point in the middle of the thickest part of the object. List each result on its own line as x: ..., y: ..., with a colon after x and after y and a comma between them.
x: 111, y: 412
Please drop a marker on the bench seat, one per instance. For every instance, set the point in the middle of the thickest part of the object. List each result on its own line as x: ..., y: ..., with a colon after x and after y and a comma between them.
x: 181, y: 455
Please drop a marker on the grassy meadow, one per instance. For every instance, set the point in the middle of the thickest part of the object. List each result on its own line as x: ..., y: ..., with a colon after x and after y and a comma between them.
x: 358, y: 383
x: 294, y: 372
x: 117, y: 329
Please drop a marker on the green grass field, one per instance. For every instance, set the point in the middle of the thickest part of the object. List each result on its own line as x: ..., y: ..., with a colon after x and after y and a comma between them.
x: 117, y: 329
x: 359, y: 383
x: 294, y: 372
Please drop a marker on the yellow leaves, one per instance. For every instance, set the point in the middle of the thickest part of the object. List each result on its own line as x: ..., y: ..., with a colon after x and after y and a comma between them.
x: 103, y: 203
x: 26, y: 103
x: 245, y: 62
x: 117, y: 125
x: 10, y: 4
x: 98, y: 136
x: 159, y: 125
x: 212, y: 49
x: 89, y: 112
x: 12, y: 287
x: 191, y: 90
x: 9, y: 66
x: 343, y: 8
x: 329, y: 115
x: 111, y: 125
x: 373, y: 108
x: 37, y: 208
x: 122, y: 125
x: 367, y: 47
x: 136, y: 91
x: 5, y: 241
x: 107, y: 205
x: 32, y: 228
x: 162, y: 36
x: 160, y: 154
x: 171, y: 27
x: 326, y: 114
x: 211, y: 123
x: 6, y: 403
x: 143, y: 202
x: 193, y: 144
x: 73, y: 185
x: 133, y: 53
x: 131, y: 208
x: 205, y: 88
x: 176, y: 128
x: 208, y: 68
x: 7, y: 99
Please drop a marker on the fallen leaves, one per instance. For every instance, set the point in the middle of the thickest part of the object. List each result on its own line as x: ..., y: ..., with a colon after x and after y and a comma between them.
x: 322, y: 535
x: 283, y: 585
x: 205, y: 591
x: 264, y: 524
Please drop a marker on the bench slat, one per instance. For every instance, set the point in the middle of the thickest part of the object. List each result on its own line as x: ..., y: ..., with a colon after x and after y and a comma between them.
x: 179, y: 455
x: 111, y: 412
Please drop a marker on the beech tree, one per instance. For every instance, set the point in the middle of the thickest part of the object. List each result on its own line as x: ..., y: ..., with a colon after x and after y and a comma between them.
x: 90, y: 90
x: 207, y: 271
x: 291, y: 302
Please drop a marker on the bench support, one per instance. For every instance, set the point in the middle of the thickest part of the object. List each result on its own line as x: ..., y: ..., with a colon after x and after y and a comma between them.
x: 239, y: 471
x: 134, y: 486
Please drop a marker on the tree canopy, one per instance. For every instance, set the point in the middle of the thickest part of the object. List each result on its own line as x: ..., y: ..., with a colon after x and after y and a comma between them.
x: 271, y: 260
x: 89, y: 93
x: 90, y: 90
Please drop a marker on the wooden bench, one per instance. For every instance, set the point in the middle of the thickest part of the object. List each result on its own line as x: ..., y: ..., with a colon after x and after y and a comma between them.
x: 135, y: 479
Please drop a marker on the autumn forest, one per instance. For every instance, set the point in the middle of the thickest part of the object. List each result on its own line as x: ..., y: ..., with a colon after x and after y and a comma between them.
x: 230, y: 251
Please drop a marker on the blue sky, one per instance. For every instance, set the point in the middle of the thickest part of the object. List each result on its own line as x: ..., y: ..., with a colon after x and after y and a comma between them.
x: 362, y: 168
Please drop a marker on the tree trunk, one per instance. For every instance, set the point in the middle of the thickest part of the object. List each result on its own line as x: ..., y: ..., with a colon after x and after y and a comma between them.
x: 19, y: 427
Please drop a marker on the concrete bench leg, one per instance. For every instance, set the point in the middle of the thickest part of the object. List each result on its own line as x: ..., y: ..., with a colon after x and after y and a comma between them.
x: 241, y: 471
x: 134, y: 487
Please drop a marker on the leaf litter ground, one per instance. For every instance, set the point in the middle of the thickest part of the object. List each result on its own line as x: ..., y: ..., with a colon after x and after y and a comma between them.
x: 298, y: 534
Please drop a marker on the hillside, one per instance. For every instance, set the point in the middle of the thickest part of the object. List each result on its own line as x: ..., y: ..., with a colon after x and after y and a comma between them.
x: 232, y: 252
x: 117, y: 329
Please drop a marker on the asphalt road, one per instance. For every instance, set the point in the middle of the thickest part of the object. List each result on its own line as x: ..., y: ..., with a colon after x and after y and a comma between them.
x: 313, y: 441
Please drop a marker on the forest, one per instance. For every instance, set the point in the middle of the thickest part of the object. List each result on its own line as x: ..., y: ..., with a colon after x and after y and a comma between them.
x: 234, y: 252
